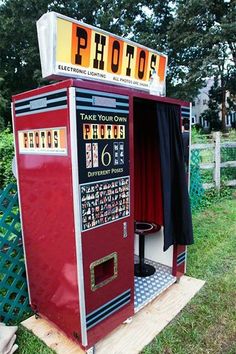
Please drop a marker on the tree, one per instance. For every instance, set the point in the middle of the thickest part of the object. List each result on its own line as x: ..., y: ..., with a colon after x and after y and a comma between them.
x: 19, y: 54
x: 3, y: 105
x: 211, y: 114
x: 198, y: 36
x: 6, y: 156
x: 202, y: 41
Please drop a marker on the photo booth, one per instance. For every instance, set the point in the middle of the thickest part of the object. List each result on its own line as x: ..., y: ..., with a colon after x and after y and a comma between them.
x: 104, y: 201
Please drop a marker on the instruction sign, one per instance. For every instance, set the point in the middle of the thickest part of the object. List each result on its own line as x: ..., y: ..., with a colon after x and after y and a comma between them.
x: 103, y: 135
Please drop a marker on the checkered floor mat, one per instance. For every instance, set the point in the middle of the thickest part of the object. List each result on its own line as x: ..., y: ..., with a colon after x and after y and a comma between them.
x: 147, y: 289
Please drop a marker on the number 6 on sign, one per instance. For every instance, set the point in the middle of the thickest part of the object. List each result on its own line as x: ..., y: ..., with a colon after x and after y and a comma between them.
x: 105, y: 155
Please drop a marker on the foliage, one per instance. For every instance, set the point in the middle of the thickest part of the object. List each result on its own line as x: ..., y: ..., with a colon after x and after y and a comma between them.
x: 207, y: 324
x: 203, y: 41
x: 6, y: 155
x: 228, y: 154
x: 211, y: 114
x: 3, y: 104
x: 229, y: 136
x: 197, y: 137
x: 19, y: 54
x: 212, y: 196
x: 228, y: 173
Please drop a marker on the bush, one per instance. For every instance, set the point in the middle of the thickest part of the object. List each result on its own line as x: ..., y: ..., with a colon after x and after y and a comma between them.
x: 212, y: 196
x: 197, y: 137
x: 6, y: 156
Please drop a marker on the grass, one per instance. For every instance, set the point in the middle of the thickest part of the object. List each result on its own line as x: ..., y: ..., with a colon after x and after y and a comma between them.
x: 30, y: 344
x: 208, y: 322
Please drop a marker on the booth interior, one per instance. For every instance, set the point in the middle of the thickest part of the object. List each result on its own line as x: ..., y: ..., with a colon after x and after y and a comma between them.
x: 153, y: 266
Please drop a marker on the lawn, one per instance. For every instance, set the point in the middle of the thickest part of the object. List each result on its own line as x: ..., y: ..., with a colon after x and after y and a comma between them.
x: 208, y: 322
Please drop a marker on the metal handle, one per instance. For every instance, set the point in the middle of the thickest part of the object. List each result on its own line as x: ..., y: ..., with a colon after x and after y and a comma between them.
x: 125, y: 229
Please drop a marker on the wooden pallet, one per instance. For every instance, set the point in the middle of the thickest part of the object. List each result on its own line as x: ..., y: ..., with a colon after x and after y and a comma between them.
x: 128, y: 338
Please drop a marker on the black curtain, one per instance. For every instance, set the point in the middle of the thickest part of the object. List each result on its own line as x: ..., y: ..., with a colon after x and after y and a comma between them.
x: 176, y: 205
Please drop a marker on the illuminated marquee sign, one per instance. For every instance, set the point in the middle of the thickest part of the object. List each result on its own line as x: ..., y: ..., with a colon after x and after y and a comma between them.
x: 50, y: 141
x: 74, y: 49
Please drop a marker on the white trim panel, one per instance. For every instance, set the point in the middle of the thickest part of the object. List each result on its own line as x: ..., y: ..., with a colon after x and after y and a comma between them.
x: 77, y: 212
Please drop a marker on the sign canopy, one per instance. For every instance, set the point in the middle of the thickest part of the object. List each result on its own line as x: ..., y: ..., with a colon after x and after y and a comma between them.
x: 69, y: 48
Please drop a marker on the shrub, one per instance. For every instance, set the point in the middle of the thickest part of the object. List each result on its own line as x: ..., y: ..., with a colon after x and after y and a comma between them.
x: 6, y: 156
x: 197, y: 137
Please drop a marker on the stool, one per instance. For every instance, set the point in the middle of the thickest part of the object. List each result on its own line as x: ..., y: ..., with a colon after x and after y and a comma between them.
x: 143, y: 228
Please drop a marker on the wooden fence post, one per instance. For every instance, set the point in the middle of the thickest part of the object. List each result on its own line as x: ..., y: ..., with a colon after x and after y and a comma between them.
x: 216, y: 137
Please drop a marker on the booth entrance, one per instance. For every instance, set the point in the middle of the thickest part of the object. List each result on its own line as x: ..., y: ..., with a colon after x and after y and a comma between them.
x: 157, y: 273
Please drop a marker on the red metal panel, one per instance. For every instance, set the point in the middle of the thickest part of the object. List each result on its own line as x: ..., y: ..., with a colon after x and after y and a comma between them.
x: 45, y: 187
x: 179, y: 260
x: 44, y: 89
x: 98, y: 243
x: 109, y: 305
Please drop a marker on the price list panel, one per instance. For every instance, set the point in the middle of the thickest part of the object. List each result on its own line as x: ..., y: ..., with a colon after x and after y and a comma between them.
x: 103, y: 153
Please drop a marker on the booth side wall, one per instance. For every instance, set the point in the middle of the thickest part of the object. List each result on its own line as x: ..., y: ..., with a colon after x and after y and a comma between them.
x: 46, y: 203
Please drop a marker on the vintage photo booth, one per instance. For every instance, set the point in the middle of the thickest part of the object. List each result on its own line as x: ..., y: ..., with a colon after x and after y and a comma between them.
x: 104, y: 201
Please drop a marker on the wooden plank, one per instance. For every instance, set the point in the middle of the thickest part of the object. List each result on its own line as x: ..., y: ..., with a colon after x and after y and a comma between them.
x: 211, y: 145
x: 131, y: 337
x: 52, y: 336
x: 230, y: 144
x: 228, y: 164
x: 217, y: 159
x: 230, y: 183
x: 202, y: 146
x: 206, y: 166
x: 208, y: 185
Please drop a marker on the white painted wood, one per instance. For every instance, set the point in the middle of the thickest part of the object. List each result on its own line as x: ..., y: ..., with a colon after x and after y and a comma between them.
x: 216, y: 136
x: 217, y: 165
x: 77, y: 213
x: 202, y: 146
x: 206, y: 166
x: 154, y: 248
x: 128, y: 338
x: 208, y: 185
x: 229, y: 144
x: 231, y: 183
x: 228, y: 164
